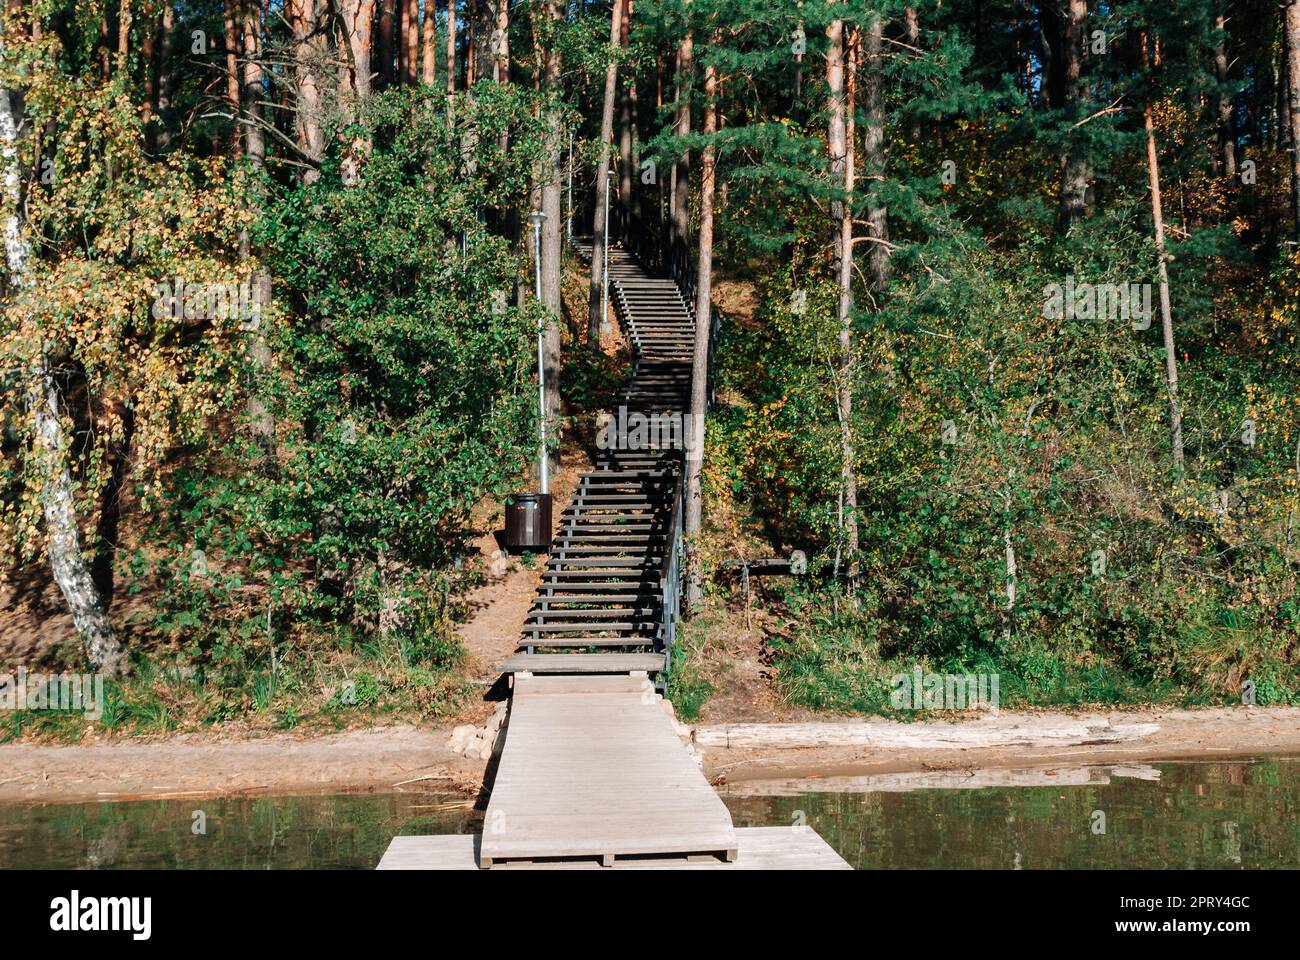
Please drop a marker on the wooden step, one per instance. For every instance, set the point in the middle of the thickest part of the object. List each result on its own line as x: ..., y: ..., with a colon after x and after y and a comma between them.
x: 578, y: 549
x: 627, y: 643
x: 593, y: 598
x: 584, y: 663
x: 603, y: 563
x: 538, y: 615
x: 649, y: 583
x: 602, y: 527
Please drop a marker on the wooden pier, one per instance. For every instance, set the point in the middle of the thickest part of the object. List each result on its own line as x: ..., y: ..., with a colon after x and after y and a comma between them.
x: 592, y: 768
x: 760, y: 848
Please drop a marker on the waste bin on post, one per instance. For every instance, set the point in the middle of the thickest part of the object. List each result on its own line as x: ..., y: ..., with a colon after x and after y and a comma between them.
x: 528, y: 521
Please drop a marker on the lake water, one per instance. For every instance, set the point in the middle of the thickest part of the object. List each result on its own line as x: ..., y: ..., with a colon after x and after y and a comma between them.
x: 1226, y: 814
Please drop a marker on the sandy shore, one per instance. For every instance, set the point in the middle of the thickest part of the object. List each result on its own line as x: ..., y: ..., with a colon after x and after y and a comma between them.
x: 984, y: 751
x: 1206, y: 734
x: 200, y: 765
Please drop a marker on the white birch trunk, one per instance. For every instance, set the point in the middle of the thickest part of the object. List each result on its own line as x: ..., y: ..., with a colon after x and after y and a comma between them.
x: 49, y: 442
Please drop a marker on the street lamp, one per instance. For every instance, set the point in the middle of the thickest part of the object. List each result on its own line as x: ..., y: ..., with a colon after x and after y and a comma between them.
x: 604, y: 274
x: 537, y: 218
x: 528, y: 515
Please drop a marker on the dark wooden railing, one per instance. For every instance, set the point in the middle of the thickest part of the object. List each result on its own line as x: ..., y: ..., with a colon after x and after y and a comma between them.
x: 659, y: 252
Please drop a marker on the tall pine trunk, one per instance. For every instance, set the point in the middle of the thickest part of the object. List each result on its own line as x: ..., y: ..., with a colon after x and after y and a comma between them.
x: 163, y: 80
x: 839, y: 143
x: 357, y: 17
x: 472, y: 32
x: 912, y: 34
x: 409, y: 50
x: 1224, y: 105
x: 234, y: 46
x: 679, y: 211
x: 595, y: 306
x: 501, y: 43
x: 1074, y: 171
x: 626, y: 126
x: 261, y: 420
x: 1281, y: 131
x: 50, y: 442
x: 308, y: 55
x: 693, y: 519
x: 1292, y: 47
x: 873, y: 148
x: 451, y: 46
x: 429, y: 44
x: 124, y: 22
x: 385, y: 62
x: 411, y: 42
x: 552, y: 252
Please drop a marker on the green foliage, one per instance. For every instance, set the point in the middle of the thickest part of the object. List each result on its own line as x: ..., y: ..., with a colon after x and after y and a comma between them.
x: 401, y: 387
x: 688, y: 688
x: 981, y: 424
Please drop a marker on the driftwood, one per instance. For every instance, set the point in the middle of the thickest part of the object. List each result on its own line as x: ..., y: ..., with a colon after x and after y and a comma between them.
x: 891, y: 735
x: 941, y: 780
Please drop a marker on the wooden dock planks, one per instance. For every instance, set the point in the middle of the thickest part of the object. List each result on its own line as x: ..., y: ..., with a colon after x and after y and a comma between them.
x: 759, y: 848
x: 592, y: 767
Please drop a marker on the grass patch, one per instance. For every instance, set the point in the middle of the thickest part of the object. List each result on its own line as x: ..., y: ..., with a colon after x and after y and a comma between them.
x: 688, y: 687
x: 401, y: 679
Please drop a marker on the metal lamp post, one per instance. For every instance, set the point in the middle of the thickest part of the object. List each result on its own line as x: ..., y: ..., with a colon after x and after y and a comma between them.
x: 537, y: 218
x: 604, y: 274
x: 528, y: 515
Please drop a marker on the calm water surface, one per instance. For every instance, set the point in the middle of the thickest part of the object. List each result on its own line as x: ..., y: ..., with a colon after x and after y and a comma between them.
x: 243, y: 833
x: 1224, y: 814
x: 1228, y: 814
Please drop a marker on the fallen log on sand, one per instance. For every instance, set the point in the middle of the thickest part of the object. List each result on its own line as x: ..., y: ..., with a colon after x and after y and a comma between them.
x: 891, y: 735
x: 941, y: 780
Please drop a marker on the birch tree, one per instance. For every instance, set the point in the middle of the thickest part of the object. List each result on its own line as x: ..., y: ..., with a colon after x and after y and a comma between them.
x: 50, y: 443
x: 1162, y: 273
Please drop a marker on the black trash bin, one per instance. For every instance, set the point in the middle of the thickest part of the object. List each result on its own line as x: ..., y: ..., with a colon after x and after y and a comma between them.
x: 528, y: 521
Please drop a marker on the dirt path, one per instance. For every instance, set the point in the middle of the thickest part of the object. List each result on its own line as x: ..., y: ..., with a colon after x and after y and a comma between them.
x: 500, y: 606
x: 492, y: 632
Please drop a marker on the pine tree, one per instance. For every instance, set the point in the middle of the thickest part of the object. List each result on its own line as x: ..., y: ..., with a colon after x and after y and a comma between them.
x: 1291, y: 44
x: 595, y: 293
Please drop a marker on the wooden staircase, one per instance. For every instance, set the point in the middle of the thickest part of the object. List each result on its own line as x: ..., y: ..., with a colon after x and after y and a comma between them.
x: 607, y: 602
x: 591, y: 769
